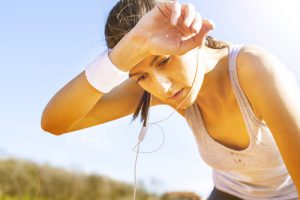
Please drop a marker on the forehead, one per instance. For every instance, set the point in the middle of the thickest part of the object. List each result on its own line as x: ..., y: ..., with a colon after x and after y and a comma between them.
x: 147, y: 62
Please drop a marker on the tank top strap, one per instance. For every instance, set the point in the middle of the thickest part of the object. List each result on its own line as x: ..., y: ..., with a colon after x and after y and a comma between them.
x: 241, y: 97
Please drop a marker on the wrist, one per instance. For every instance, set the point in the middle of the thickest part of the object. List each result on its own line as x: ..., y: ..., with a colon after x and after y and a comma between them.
x: 129, y: 51
x: 103, y: 75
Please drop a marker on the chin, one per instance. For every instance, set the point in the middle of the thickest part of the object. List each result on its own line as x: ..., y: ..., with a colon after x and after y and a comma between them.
x: 189, y: 101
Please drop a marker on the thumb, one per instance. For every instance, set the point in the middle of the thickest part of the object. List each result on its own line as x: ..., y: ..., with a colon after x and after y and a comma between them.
x: 197, y: 40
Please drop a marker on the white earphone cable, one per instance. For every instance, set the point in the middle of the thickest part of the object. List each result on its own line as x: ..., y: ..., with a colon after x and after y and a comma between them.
x: 145, y: 128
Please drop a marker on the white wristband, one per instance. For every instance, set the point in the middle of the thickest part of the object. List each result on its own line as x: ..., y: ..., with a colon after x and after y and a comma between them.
x: 103, y: 75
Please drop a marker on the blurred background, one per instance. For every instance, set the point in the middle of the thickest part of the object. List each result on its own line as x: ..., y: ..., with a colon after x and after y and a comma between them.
x: 45, y: 44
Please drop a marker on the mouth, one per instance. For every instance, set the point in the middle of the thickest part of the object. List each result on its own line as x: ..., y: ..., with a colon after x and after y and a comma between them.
x: 176, y: 95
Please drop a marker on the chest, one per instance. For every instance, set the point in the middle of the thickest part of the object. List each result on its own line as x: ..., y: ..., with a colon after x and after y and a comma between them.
x: 227, y: 127
x: 223, y: 119
x: 246, y: 149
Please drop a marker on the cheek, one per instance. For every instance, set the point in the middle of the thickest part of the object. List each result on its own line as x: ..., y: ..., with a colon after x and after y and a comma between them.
x: 189, y: 66
x: 148, y: 88
x: 195, y: 79
x: 190, y: 73
x: 152, y: 90
x: 179, y: 73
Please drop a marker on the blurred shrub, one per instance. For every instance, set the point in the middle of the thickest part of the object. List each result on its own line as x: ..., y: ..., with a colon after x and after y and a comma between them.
x: 25, y: 180
x: 180, y: 196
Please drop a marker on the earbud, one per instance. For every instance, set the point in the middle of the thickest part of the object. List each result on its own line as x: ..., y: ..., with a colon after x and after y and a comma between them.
x: 145, y: 129
x: 143, y: 133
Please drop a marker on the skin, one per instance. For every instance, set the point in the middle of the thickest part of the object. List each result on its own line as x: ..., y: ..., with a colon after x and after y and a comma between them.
x: 274, y: 95
x: 211, y: 90
x: 167, y: 75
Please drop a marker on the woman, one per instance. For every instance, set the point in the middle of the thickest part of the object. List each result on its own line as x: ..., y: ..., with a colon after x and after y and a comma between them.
x: 241, y: 103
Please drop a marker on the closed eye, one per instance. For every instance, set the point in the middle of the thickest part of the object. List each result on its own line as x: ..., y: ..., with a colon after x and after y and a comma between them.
x: 161, y: 63
x: 164, y: 61
x: 143, y: 77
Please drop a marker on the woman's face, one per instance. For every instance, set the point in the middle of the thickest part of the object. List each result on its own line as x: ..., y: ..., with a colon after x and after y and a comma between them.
x: 164, y: 76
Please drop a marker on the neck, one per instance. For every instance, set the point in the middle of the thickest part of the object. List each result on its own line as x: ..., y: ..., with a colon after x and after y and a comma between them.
x: 213, y: 92
x: 212, y: 58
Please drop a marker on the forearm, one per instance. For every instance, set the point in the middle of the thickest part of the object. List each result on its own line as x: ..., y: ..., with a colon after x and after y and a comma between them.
x: 69, y: 104
x: 129, y: 51
x: 77, y: 98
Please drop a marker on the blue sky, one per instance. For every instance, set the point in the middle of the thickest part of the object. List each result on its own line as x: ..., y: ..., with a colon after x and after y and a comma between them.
x: 44, y: 44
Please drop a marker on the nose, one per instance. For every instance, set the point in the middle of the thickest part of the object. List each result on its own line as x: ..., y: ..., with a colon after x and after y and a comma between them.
x: 163, y: 84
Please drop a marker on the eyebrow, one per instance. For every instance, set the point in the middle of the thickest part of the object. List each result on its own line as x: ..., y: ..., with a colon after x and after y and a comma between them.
x: 151, y: 64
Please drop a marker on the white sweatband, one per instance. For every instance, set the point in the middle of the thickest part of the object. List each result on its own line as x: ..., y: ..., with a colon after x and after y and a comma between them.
x: 103, y: 75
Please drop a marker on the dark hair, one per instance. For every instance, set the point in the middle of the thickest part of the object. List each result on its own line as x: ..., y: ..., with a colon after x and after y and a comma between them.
x: 122, y: 18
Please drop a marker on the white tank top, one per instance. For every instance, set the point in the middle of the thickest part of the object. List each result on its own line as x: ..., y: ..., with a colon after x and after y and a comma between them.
x: 257, y: 172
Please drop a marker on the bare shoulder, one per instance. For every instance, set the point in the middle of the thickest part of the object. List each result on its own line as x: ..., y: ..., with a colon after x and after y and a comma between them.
x: 251, y: 65
x: 257, y: 63
x: 256, y: 58
x: 259, y: 71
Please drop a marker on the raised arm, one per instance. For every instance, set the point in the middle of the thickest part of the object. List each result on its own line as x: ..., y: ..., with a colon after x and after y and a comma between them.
x: 77, y: 98
x: 78, y: 105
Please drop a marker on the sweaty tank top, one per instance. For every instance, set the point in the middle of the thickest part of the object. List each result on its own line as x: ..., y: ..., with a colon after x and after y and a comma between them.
x: 257, y: 172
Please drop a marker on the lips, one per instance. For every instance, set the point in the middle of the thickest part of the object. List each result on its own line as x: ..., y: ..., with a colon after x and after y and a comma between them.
x: 176, y: 95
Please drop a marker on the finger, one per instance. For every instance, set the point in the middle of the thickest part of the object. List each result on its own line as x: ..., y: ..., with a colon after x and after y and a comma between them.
x: 176, y: 12
x: 198, y: 40
x: 209, y: 24
x: 186, y: 19
x: 189, y: 12
x: 197, y: 23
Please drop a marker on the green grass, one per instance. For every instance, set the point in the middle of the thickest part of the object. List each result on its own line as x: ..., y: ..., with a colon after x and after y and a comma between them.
x: 5, y: 197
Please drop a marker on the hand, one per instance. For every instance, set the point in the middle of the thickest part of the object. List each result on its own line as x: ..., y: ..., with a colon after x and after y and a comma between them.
x: 173, y: 29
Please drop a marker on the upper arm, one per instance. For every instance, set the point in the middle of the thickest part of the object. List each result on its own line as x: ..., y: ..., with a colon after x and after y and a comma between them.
x: 119, y: 102
x: 272, y: 89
